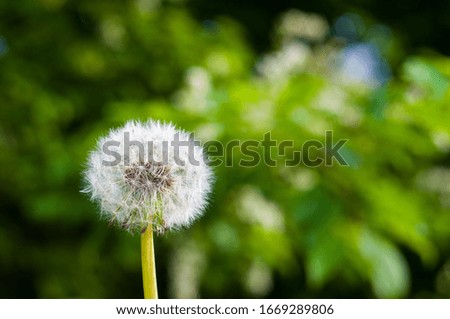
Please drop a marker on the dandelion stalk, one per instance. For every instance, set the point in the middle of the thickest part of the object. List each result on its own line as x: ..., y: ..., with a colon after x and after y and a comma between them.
x: 148, y: 265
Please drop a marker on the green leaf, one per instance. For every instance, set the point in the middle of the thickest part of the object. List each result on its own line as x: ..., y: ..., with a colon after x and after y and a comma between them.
x: 323, y: 261
x: 425, y: 75
x: 388, y: 270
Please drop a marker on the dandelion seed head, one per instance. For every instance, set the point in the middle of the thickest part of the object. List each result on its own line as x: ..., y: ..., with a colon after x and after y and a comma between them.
x: 153, y: 182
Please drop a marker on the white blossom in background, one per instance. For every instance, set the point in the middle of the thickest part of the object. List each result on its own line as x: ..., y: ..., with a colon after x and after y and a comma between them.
x: 113, y: 32
x: 436, y: 180
x: 254, y: 208
x: 289, y: 60
x: 194, y: 97
x: 442, y: 141
x: 147, y: 6
x: 302, y: 179
x: 209, y: 131
x: 259, y: 116
x: 186, y: 267
x: 258, y: 280
x: 303, y: 117
x: 150, y: 189
x: 308, y: 26
x: 335, y: 101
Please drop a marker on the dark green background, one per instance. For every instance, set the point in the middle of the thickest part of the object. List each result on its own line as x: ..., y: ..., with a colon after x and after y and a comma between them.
x: 380, y: 227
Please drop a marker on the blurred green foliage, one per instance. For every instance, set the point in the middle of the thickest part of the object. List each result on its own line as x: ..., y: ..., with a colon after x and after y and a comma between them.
x: 379, y: 227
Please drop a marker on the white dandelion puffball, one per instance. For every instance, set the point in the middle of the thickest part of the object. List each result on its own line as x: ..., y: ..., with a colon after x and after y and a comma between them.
x: 148, y: 174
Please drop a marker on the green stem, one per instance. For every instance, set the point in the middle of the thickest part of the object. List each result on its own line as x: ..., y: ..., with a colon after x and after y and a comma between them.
x: 148, y: 265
